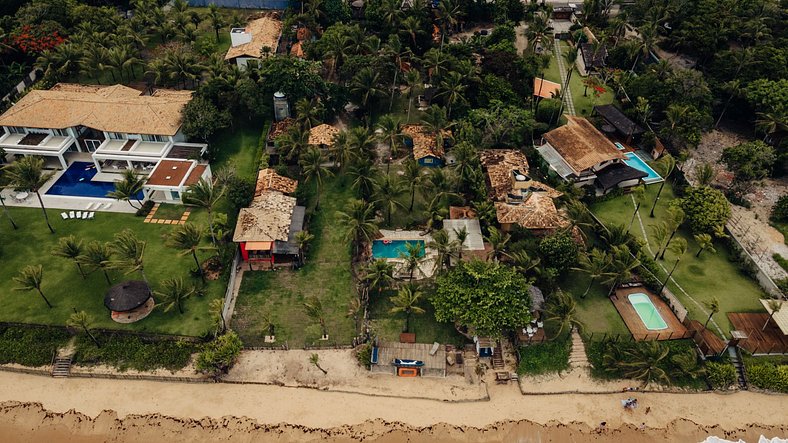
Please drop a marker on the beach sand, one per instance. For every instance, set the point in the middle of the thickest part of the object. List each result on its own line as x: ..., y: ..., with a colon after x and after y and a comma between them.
x: 131, y: 411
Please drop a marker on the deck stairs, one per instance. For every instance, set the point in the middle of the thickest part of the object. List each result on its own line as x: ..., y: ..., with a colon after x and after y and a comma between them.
x: 577, y: 355
x: 735, y: 355
x: 61, y: 367
x: 497, y: 357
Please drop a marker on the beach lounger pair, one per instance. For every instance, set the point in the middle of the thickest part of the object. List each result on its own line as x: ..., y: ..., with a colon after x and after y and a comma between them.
x: 78, y: 215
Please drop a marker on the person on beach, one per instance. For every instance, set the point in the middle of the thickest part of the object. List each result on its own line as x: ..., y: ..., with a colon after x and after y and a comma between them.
x: 602, y: 427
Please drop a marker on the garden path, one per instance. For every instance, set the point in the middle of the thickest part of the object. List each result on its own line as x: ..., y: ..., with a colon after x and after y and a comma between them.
x: 570, y: 104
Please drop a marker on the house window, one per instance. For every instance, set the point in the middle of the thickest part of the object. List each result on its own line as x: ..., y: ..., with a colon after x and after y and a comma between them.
x: 427, y: 160
x: 60, y: 132
x: 116, y: 136
x: 16, y: 130
x: 152, y: 138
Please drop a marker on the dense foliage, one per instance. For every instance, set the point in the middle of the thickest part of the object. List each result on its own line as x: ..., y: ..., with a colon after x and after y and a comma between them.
x: 768, y: 376
x: 30, y: 346
x: 720, y: 375
x: 218, y: 356
x: 559, y: 251
x: 131, y: 352
x: 544, y: 358
x: 706, y: 209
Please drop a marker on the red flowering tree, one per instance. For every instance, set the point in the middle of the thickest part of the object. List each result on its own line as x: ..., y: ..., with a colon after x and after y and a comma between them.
x: 35, y: 39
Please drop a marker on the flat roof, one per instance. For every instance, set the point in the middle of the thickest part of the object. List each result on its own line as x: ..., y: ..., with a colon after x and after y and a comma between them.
x: 780, y: 318
x: 545, y: 88
x: 169, y: 173
x: 474, y: 241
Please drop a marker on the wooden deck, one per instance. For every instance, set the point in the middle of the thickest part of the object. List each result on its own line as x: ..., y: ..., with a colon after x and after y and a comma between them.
x: 524, y: 340
x: 769, y: 341
x: 675, y: 329
x: 434, y: 365
x: 707, y: 341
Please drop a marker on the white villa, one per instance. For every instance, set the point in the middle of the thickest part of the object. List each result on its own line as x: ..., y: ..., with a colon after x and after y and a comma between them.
x: 114, y: 127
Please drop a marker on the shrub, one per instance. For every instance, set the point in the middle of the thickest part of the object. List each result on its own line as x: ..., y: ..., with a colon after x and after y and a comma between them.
x: 218, y: 356
x: 544, y: 358
x: 364, y: 354
x: 780, y: 261
x: 145, y: 209
x: 780, y: 210
x: 558, y: 251
x: 706, y: 209
x: 720, y: 375
x: 30, y: 346
x: 769, y: 376
x: 131, y: 352
x: 649, y: 276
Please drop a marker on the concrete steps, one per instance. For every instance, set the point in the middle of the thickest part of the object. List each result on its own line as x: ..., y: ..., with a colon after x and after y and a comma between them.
x: 577, y: 354
x: 61, y: 367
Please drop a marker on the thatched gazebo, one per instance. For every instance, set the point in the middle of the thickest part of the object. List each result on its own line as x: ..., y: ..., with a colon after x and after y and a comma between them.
x: 129, y: 301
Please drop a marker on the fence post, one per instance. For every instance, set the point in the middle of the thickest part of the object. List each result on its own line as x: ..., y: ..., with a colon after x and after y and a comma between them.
x: 671, y: 335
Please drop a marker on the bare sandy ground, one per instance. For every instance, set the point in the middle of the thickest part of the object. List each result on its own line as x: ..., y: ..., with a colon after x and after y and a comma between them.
x: 202, y: 413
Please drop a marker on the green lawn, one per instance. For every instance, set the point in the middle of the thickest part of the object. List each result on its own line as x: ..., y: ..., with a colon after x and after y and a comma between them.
x: 711, y: 275
x: 237, y: 147
x: 280, y: 294
x: 32, y: 244
x: 169, y: 211
x: 596, y: 311
x: 583, y: 105
x: 402, y: 218
x: 387, y: 326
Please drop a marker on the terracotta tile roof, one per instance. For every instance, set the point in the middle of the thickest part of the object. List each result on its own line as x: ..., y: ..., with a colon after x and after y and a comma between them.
x: 266, y: 219
x: 581, y: 145
x: 460, y: 212
x: 322, y: 134
x: 280, y: 127
x: 265, y: 32
x: 424, y: 143
x: 545, y: 88
x: 537, y: 212
x: 297, y: 50
x: 195, y: 175
x: 115, y: 108
x: 169, y: 173
x: 501, y: 165
x: 269, y: 180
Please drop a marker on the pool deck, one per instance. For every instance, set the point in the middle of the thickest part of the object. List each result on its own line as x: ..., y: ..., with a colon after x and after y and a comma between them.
x: 427, y: 265
x: 621, y: 301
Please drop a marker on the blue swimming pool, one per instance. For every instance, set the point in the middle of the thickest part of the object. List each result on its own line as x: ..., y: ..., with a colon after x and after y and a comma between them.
x: 392, y: 248
x: 633, y: 161
x: 76, y: 181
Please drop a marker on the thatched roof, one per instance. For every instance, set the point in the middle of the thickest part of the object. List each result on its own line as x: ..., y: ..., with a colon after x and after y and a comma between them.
x: 536, y: 212
x: 266, y: 219
x: 115, y: 108
x: 322, y: 134
x: 502, y: 165
x: 127, y: 296
x: 581, y: 145
x: 424, y: 143
x: 269, y: 180
x: 265, y: 31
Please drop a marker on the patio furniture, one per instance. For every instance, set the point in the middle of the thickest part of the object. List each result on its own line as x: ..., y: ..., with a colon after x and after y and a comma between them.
x: 79, y: 214
x: 373, y: 359
x: 434, y: 349
x: 71, y: 214
x: 85, y: 215
x: 90, y: 216
x: 21, y: 196
x: 64, y: 215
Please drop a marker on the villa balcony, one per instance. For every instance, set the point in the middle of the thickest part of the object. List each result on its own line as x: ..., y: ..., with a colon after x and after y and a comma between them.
x: 127, y: 149
x: 35, y: 143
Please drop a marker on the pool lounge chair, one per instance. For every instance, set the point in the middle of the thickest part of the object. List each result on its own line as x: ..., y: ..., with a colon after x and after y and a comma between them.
x: 64, y: 215
x: 71, y: 214
x: 85, y: 215
x: 79, y: 214
x: 90, y: 216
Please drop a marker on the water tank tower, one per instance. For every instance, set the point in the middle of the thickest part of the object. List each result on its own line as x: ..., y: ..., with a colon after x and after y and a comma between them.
x: 281, y: 107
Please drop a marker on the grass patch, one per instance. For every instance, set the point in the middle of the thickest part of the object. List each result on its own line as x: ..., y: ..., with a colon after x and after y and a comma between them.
x: 583, y: 105
x: 31, y: 346
x: 237, y: 148
x: 781, y: 261
x: 32, y: 244
x: 130, y: 352
x: 280, y: 294
x: 705, y: 277
x: 596, y: 311
x: 170, y: 211
x: 545, y: 358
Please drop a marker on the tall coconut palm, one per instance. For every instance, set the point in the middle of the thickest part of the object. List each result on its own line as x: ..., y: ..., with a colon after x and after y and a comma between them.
x: 440, y: 182
x: 215, y: 18
x: 644, y: 362
x: 659, y: 234
x: 379, y: 274
x: 407, y: 301
x: 411, y: 26
x: 205, y: 194
x: 646, y: 45
x: 81, y: 320
x: 414, y: 179
x: 97, y: 256
x: 436, y: 122
x: 436, y: 62
x: 498, y: 241
x: 29, y: 279
x: 460, y: 236
x: 570, y: 59
x: 342, y: 151
x: 314, y: 171
x: 128, y: 188
x: 337, y: 50
x: 675, y: 219
x: 714, y: 307
x: 665, y: 167
x: 362, y: 176
x: 412, y: 80
x: 623, y: 263
x: 71, y: 248
x: 705, y: 242
x: 187, y: 239
x: 387, y: 195
x: 390, y: 133
x: 131, y: 253
x: 522, y: 262
x: 537, y: 32
x: 293, y: 143
x: 639, y: 195
x: 358, y: 219
x: 313, y: 308
x: 679, y: 248
x: 412, y: 258
x: 452, y: 88
x: 308, y: 113
x: 444, y: 249
x: 366, y: 86
x: 362, y: 142
x: 172, y: 294
x: 434, y: 214
x: 27, y: 174
x: 6, y: 212
x: 562, y: 310
x: 774, y: 307
x: 303, y: 239
x: 595, y: 264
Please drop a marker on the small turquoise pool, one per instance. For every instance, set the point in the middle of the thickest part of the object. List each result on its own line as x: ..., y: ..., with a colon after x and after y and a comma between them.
x: 633, y: 161
x: 393, y: 248
x: 647, y: 312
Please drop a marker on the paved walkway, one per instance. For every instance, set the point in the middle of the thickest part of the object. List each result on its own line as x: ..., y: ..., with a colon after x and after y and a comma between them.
x: 578, y: 357
x: 567, y: 94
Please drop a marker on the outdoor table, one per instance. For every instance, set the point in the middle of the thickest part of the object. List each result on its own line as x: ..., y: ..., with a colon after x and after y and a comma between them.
x: 21, y: 196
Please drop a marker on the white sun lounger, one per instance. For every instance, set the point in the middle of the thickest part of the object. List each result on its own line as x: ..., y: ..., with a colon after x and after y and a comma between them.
x: 64, y: 215
x: 71, y: 214
x: 79, y: 214
x: 85, y: 215
x: 90, y: 216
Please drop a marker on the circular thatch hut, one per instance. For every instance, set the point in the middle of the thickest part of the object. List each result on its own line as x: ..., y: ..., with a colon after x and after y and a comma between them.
x: 129, y: 301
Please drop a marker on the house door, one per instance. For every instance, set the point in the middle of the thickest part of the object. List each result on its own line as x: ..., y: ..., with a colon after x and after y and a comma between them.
x: 92, y: 145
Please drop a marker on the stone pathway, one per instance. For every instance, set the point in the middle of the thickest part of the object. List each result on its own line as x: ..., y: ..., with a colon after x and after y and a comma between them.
x: 578, y: 357
x: 570, y: 104
x: 163, y: 221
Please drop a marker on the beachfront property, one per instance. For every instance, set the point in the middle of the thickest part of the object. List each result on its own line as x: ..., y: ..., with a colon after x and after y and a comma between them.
x: 580, y: 154
x: 519, y: 199
x: 266, y: 230
x: 94, y: 133
x: 425, y: 145
x: 249, y: 43
x: 622, y: 130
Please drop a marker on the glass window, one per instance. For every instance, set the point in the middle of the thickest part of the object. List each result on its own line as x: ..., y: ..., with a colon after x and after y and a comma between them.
x: 16, y: 130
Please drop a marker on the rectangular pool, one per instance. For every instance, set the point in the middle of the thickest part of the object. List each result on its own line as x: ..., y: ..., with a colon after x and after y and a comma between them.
x: 647, y: 312
x: 76, y: 181
x: 633, y: 161
x: 393, y: 248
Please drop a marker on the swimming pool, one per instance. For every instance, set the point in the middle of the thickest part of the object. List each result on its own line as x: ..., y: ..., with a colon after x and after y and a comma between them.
x: 392, y: 248
x: 633, y: 161
x: 76, y: 181
x: 647, y: 312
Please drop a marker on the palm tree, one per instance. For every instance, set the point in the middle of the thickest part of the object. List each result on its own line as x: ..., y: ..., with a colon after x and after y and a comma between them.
x: 595, y: 264
x: 216, y: 309
x: 412, y: 258
x: 498, y: 242
x: 434, y: 214
x: 570, y: 58
x: 705, y: 242
x: 29, y: 278
x: 379, y: 274
x: 453, y: 89
x: 665, y: 167
x: 82, y: 321
x: 204, y: 194
x: 70, y: 247
x: 714, y: 307
x: 362, y: 175
x: 733, y: 88
x: 366, y: 86
x: 97, y: 255
x: 675, y: 219
x: 315, y: 360
x: 390, y: 133
x: 522, y: 262
x: 131, y: 251
x: 578, y: 216
x: 313, y: 170
x: 643, y: 361
x: 537, y: 31
x: 187, y: 239
x: 387, y: 194
x: 659, y: 233
x: 436, y: 121
x: 770, y: 124
x: 639, y: 194
x: 705, y: 174
x: 172, y: 294
x: 413, y: 80
x: 303, y: 238
x: 440, y: 183
x: 407, y: 301
x: 679, y: 248
x: 362, y: 142
x: 342, y: 151
x: 774, y: 306
x: 460, y: 236
x: 5, y: 209
x: 411, y: 26
x: 561, y: 309
x: 647, y: 43
x: 215, y: 19
x: 444, y: 248
x: 94, y: 61
x: 308, y: 113
x: 27, y: 174
x: 436, y: 62
x: 358, y: 219
x: 450, y: 14
x: 128, y: 188
x: 294, y: 142
x: 313, y: 308
x: 413, y: 177
x: 337, y: 49
x: 623, y: 263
